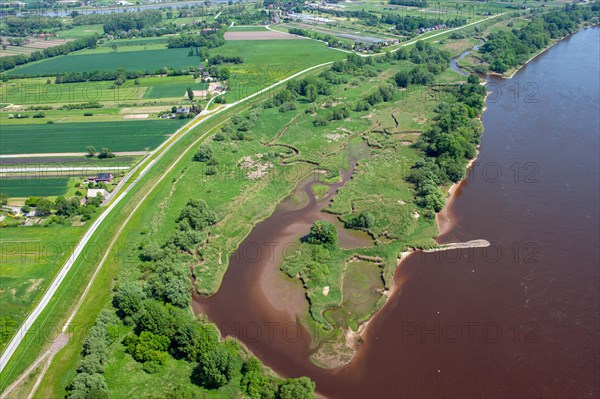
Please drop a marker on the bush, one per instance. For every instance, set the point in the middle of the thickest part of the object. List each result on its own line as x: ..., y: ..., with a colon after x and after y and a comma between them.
x: 363, y: 220
x: 88, y: 114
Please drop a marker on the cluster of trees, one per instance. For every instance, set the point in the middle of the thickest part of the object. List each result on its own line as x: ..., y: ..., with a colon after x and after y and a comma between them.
x: 124, y: 22
x: 409, y: 24
x: 73, y: 77
x: 239, y: 126
x: 65, y: 208
x: 207, y: 38
x: 26, y: 25
x: 409, y: 3
x: 507, y: 49
x: 219, y: 59
x: 104, y: 153
x: 12, y: 61
x: 331, y: 41
x: 156, y: 306
x: 89, y: 381
x: 448, y: 144
x: 323, y: 233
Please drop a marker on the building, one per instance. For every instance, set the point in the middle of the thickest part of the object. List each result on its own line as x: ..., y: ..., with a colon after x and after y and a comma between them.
x: 104, y: 177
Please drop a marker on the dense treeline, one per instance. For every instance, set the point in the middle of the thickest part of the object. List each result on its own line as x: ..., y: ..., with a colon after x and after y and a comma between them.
x: 331, y: 41
x: 508, y: 49
x: 208, y: 39
x: 30, y: 24
x: 72, y: 77
x: 410, y: 3
x: 12, y: 61
x: 125, y: 22
x: 410, y: 23
x: 449, y: 143
x: 156, y: 308
x: 219, y: 59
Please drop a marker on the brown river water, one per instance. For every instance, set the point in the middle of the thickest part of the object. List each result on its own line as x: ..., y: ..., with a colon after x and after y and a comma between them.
x: 517, y: 319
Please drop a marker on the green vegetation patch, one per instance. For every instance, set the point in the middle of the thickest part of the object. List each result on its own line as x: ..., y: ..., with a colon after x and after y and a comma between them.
x: 31, y: 257
x: 143, y: 60
x: 75, y: 137
x: 26, y: 187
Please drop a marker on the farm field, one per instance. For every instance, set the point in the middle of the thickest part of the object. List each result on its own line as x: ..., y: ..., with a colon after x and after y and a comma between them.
x: 31, y: 257
x: 142, y: 60
x: 37, y: 91
x: 267, y: 61
x: 26, y: 187
x: 33, y: 44
x: 69, y: 137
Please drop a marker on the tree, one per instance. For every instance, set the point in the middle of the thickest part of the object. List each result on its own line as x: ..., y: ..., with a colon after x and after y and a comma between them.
x: 91, y: 151
x: 148, y: 347
x: 216, y: 368
x: 43, y: 207
x: 3, y: 199
x: 86, y: 386
x: 203, y: 153
x: 297, y: 388
x: 105, y: 153
x: 159, y: 319
x: 114, y: 47
x: 190, y: 94
x: 311, y: 93
x: 324, y: 233
x: 194, y: 340
x: 129, y: 299
x: 402, y: 78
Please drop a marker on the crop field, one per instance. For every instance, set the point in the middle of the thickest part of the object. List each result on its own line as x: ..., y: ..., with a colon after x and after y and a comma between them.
x: 33, y: 44
x: 268, y: 61
x: 25, y: 187
x: 37, y: 91
x: 75, y: 137
x: 31, y: 257
x: 143, y: 60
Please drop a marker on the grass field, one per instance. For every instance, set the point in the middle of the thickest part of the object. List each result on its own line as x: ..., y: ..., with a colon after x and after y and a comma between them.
x: 75, y: 137
x: 170, y: 87
x: 267, y: 61
x: 81, y: 31
x: 31, y: 257
x: 25, y: 187
x: 143, y: 60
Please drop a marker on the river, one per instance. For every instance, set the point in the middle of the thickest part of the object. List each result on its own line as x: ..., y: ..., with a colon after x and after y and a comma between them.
x: 516, y: 319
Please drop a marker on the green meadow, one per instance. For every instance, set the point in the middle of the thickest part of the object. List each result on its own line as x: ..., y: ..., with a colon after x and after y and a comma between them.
x: 268, y: 61
x: 171, y: 86
x: 30, y: 258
